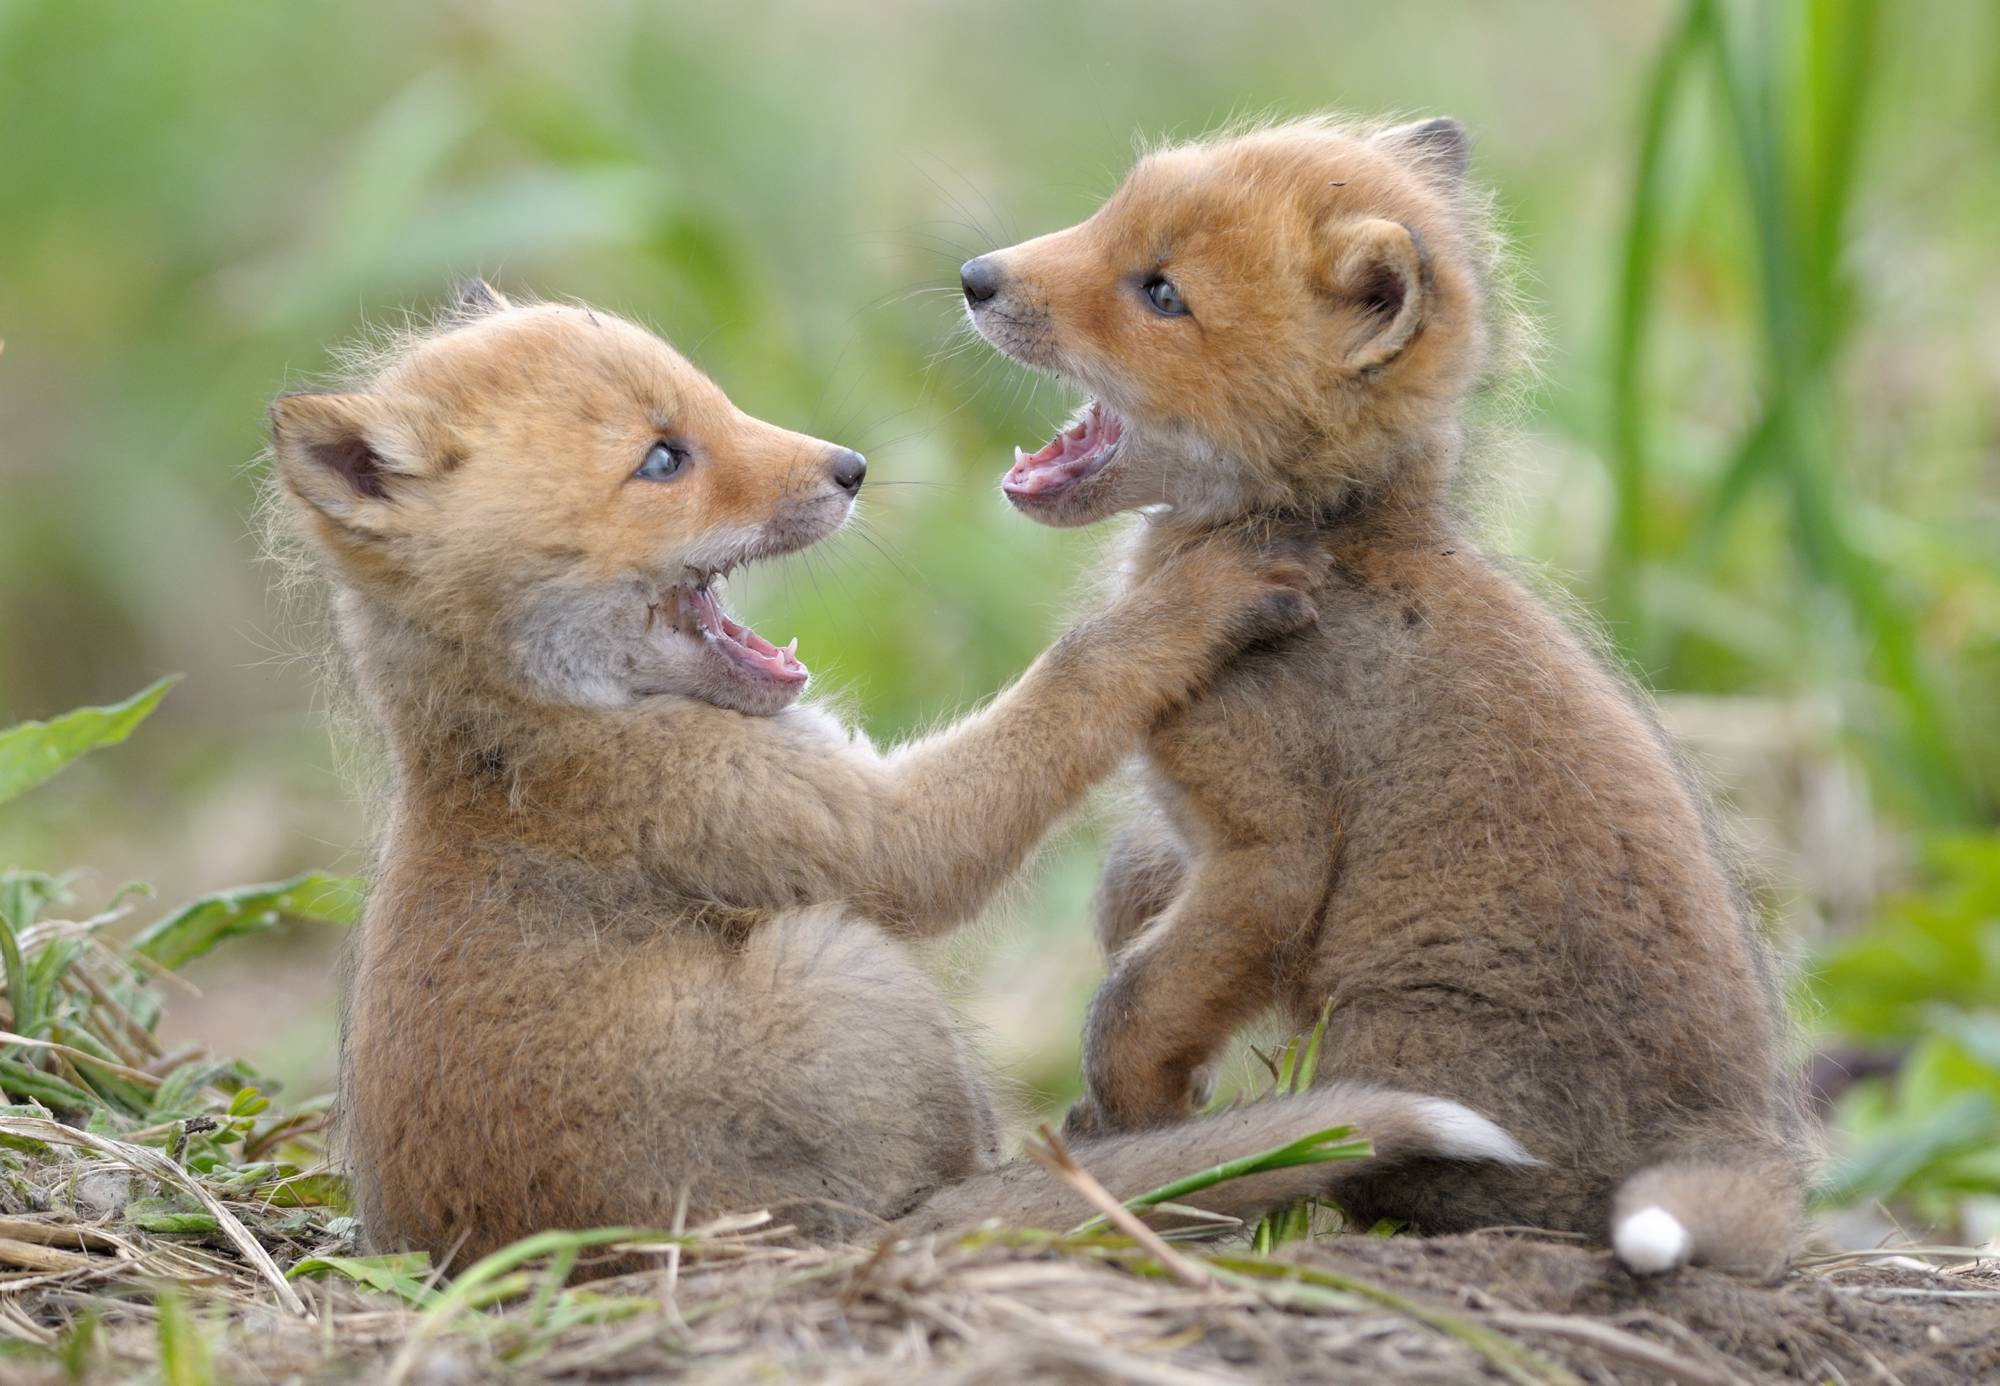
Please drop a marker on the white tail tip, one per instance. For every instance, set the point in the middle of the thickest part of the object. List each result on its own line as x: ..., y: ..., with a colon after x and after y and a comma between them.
x: 1650, y: 1241
x: 1463, y: 1134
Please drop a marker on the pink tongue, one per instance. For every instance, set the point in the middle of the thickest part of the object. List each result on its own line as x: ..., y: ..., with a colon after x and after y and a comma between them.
x: 745, y: 645
x: 779, y: 664
x: 1067, y: 456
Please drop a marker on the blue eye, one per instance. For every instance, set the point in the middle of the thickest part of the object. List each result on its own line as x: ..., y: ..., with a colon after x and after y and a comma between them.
x: 663, y: 462
x: 1165, y: 298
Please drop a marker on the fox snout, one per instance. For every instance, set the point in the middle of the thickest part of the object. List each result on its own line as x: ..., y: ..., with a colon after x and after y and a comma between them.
x: 980, y: 278
x: 847, y: 469
x: 798, y: 501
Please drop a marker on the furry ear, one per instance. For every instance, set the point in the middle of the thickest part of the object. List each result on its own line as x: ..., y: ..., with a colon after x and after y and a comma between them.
x: 1440, y: 148
x: 347, y: 456
x: 475, y: 298
x: 1380, y: 283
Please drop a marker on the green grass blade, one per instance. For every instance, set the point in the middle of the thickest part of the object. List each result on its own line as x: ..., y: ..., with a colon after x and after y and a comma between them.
x: 198, y: 926
x: 1800, y: 299
x: 1841, y: 58
x: 1309, y: 1060
x: 1630, y: 543
x: 57, y: 1094
x: 1288, y: 1058
x: 184, y: 1359
x: 23, y: 896
x: 1334, y: 1143
x: 467, y: 1291
x: 33, y: 751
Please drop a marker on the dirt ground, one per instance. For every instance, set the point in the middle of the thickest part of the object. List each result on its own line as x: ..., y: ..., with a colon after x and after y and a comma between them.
x: 1493, y: 1306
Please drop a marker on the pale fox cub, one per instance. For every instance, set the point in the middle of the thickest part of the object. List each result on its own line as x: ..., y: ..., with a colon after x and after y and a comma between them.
x: 641, y: 923
x: 1435, y: 806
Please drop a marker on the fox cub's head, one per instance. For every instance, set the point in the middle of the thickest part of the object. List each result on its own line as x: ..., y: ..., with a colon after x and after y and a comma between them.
x: 554, y: 495
x: 1283, y: 318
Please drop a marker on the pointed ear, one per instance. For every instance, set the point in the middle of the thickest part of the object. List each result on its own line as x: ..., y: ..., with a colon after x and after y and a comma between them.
x: 475, y: 298
x: 1380, y: 283
x: 347, y: 456
x: 1439, y: 148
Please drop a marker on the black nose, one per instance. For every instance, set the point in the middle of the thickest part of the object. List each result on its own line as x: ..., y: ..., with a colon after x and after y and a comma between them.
x: 981, y: 279
x: 847, y: 469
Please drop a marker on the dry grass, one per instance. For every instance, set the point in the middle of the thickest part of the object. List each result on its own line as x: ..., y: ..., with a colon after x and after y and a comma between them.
x: 734, y: 1302
x: 161, y: 1220
x: 212, y: 1245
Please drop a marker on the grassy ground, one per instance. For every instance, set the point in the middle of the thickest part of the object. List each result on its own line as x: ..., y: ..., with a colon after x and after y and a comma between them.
x: 161, y: 1218
x: 99, y: 1297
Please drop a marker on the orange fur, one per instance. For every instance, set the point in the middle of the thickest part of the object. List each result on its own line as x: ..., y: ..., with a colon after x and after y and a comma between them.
x: 1435, y: 807
x: 641, y: 928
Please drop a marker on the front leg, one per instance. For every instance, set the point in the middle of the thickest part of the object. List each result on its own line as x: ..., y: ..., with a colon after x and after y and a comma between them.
x: 1204, y: 969
x: 1142, y: 873
x: 955, y: 815
x: 920, y: 839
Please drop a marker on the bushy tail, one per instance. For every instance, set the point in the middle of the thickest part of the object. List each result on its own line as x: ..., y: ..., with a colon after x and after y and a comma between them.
x: 1398, y: 1124
x: 1739, y: 1215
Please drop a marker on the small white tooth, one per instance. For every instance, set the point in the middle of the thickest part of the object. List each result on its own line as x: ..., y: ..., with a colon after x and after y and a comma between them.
x: 793, y: 648
x: 1019, y: 456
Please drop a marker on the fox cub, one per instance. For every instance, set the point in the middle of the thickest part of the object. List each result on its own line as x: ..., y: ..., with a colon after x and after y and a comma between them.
x: 640, y: 931
x: 1434, y: 807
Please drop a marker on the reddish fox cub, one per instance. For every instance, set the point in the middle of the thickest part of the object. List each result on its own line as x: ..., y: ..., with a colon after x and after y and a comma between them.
x: 1434, y: 807
x: 638, y: 942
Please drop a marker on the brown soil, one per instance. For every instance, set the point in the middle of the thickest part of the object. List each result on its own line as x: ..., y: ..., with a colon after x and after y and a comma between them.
x: 1490, y: 1307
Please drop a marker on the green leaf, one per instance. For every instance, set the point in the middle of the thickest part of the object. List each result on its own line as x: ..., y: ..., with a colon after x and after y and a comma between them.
x: 179, y: 1093
x: 198, y: 926
x: 25, y: 1144
x: 169, y: 1215
x: 321, y: 1190
x: 55, y: 1093
x: 1901, y: 1155
x: 401, y: 1273
x: 25, y: 894
x: 33, y: 751
x: 110, y: 1086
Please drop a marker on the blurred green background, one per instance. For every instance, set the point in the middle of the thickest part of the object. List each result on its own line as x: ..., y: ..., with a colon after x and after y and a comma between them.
x: 1766, y: 448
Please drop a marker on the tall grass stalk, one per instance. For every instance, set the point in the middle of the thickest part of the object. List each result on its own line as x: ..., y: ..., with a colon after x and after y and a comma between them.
x: 1793, y: 86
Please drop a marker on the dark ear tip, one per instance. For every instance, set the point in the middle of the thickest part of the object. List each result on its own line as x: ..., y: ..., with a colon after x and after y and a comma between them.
x: 474, y: 297
x: 1443, y: 141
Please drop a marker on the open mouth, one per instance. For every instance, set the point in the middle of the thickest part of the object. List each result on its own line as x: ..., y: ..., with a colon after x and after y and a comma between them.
x: 1081, y: 450
x: 697, y: 612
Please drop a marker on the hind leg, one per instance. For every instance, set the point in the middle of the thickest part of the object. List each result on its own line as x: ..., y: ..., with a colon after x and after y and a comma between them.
x: 1142, y: 873
x: 1199, y: 973
x: 819, y: 1073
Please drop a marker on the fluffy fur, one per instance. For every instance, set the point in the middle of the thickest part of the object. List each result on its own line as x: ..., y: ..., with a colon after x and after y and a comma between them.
x: 641, y: 929
x: 1435, y: 807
